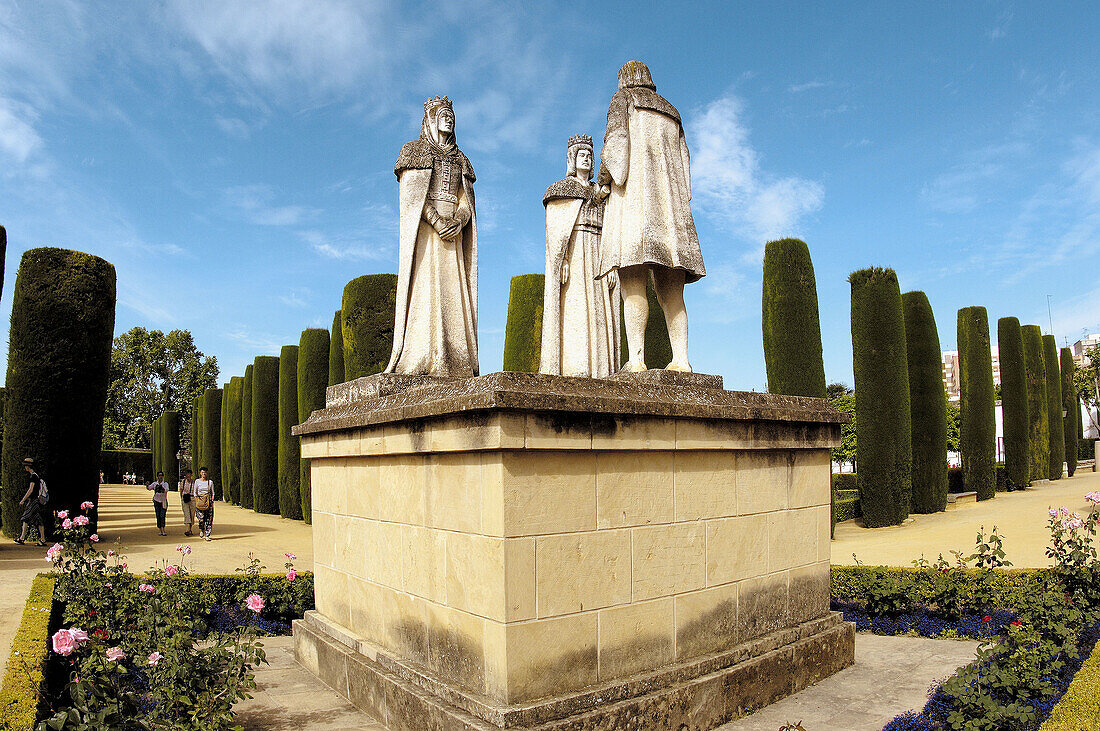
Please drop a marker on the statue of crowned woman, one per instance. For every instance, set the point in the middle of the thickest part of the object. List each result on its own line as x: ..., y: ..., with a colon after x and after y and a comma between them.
x: 580, y: 316
x: 435, y: 318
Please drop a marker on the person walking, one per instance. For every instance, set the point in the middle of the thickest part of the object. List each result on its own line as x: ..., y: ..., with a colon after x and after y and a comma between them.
x: 203, y: 491
x: 160, y: 500
x: 32, y: 510
x: 187, y: 500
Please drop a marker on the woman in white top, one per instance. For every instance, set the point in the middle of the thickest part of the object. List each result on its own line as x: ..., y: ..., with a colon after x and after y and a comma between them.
x: 203, y: 492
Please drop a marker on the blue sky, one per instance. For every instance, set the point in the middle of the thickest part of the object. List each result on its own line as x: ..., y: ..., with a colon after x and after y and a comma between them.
x: 234, y: 160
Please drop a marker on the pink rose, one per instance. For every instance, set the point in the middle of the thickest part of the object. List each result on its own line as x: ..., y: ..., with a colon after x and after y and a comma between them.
x: 54, y: 552
x: 110, y: 552
x: 184, y: 549
x: 291, y: 556
x: 291, y: 575
x: 67, y: 524
x: 79, y: 635
x: 147, y: 588
x: 255, y: 602
x: 1052, y: 513
x: 94, y: 538
x: 87, y: 505
x: 155, y: 658
x: 81, y: 520
x: 171, y: 571
x: 1093, y: 497
x: 115, y: 654
x: 64, y: 643
x: 122, y: 565
x: 63, y: 514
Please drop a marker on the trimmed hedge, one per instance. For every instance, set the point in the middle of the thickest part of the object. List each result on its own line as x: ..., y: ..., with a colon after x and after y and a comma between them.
x: 1073, y: 413
x: 336, y: 350
x: 223, y: 468
x: 169, y: 445
x: 1086, y: 448
x: 200, y: 420
x: 313, y: 352
x: 1005, y: 588
x: 977, y: 405
x: 523, y: 332
x: 115, y: 462
x: 845, y: 509
x: 792, y: 332
x: 246, y: 438
x: 1038, y: 417
x: 290, y: 492
x: 265, y: 434
x: 211, y: 439
x: 231, y: 440
x: 658, y: 347
x: 1055, y: 432
x: 1013, y: 401
x: 1079, y: 708
x: 927, y: 404
x: 367, y: 313
x: 955, y: 483
x: 59, y: 359
x: 24, y: 689
x: 883, y: 419
x: 845, y: 481
x: 196, y: 432
x: 154, y: 445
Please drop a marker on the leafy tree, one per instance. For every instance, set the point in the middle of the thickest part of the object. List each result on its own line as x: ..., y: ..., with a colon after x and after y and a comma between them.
x: 845, y: 403
x: 954, y: 418
x: 151, y: 373
x: 835, y: 390
x: 1086, y: 379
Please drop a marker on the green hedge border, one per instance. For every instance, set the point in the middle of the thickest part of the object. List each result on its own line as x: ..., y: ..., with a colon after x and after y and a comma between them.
x: 24, y: 678
x: 1079, y: 708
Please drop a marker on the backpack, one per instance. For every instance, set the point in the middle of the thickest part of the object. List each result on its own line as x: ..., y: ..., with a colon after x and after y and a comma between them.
x: 43, y: 492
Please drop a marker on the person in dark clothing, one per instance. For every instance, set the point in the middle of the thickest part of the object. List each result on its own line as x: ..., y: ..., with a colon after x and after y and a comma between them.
x: 32, y: 510
x: 160, y: 501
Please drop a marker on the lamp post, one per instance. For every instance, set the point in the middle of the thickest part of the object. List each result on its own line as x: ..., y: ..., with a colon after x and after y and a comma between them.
x: 179, y: 465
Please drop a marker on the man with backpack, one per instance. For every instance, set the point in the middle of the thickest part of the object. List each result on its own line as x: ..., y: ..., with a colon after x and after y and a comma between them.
x: 37, y: 496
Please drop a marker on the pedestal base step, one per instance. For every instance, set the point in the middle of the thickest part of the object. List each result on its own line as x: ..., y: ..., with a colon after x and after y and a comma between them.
x: 699, y: 694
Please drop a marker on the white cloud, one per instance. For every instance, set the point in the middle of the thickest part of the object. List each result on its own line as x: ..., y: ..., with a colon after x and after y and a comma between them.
x: 798, y: 88
x: 236, y: 128
x: 18, y: 138
x: 347, y: 247
x: 256, y: 203
x: 297, y: 298
x: 729, y: 184
x: 966, y: 185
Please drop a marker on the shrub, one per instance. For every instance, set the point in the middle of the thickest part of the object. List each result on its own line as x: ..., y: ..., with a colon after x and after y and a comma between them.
x: 658, y: 347
x: 211, y: 439
x: 1057, y: 439
x: 290, y: 492
x: 1038, y: 417
x: 231, y: 442
x: 978, y: 415
x: 845, y: 481
x: 523, y: 332
x: 367, y: 315
x: 222, y: 436
x: 1079, y: 708
x: 792, y: 332
x: 1073, y: 412
x: 169, y: 445
x: 927, y: 404
x: 846, y: 509
x: 200, y: 418
x: 247, y: 488
x: 196, y: 432
x: 265, y: 434
x: 116, y: 462
x: 154, y: 444
x: 59, y: 357
x: 336, y: 351
x: 1086, y: 448
x: 313, y: 353
x: 883, y: 427
x: 1013, y: 401
x: 24, y: 678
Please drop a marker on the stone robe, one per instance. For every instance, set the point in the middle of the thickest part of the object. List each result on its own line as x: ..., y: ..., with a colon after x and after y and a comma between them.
x: 645, y: 160
x: 435, y: 319
x: 580, y: 317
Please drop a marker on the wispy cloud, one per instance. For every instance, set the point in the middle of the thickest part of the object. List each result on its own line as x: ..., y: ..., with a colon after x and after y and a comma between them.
x: 1000, y: 29
x: 18, y: 138
x: 965, y: 186
x: 297, y: 298
x: 799, y: 88
x: 346, y: 247
x: 261, y: 343
x: 235, y: 128
x: 255, y: 201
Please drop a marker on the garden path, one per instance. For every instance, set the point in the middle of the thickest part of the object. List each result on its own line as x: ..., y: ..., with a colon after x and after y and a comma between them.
x: 126, y: 514
x: 1020, y: 517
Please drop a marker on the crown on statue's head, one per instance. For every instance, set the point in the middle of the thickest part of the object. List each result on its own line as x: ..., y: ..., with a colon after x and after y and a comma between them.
x: 580, y: 140
x: 434, y: 104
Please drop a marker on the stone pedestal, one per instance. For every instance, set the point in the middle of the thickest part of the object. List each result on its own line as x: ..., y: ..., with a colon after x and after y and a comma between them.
x: 530, y: 551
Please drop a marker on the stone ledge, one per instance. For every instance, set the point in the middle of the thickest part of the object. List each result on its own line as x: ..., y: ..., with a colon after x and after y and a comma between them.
x: 701, y: 694
x: 352, y: 405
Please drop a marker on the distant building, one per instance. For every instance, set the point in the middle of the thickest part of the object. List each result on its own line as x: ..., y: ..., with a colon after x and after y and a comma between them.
x: 1081, y: 346
x: 952, y: 377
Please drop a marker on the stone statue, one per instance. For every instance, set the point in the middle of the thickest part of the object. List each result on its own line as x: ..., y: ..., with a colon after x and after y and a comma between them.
x: 648, y: 229
x: 435, y: 321
x: 580, y: 316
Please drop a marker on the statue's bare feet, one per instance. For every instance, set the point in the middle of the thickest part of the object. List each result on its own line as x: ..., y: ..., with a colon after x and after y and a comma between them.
x: 634, y: 366
x: 683, y: 367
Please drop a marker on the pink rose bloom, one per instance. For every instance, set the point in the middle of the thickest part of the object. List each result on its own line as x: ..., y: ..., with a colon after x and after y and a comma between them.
x: 291, y: 575
x: 78, y: 634
x: 291, y: 556
x: 122, y: 565
x: 63, y: 514
x: 67, y: 524
x: 147, y: 588
x: 171, y: 571
x: 155, y: 658
x: 110, y: 552
x: 255, y: 602
x: 64, y: 643
x: 184, y: 549
x: 1093, y: 497
x: 87, y: 505
x: 54, y: 552
x: 1052, y: 513
x: 94, y: 538
x: 115, y: 654
x: 81, y: 520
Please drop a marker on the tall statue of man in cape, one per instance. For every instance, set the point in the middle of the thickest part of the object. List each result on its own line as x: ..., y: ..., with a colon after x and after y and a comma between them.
x: 648, y: 231
x: 435, y: 318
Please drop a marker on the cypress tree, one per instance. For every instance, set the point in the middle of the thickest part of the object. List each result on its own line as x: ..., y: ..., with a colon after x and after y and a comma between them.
x: 222, y: 438
x: 927, y: 404
x: 523, y: 332
x: 792, y: 333
x: 336, y: 350
x: 59, y: 358
x: 195, y: 435
x: 1054, y: 408
x: 231, y: 449
x: 1070, y: 421
x: 313, y: 351
x: 883, y: 417
x: 3, y: 259
x: 211, y: 439
x: 265, y: 434
x: 367, y: 324
x: 1038, y: 417
x: 290, y: 491
x: 201, y: 420
x: 658, y: 348
x: 170, y: 444
x: 154, y: 445
x: 247, y: 489
x: 977, y: 406
x: 1013, y: 402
